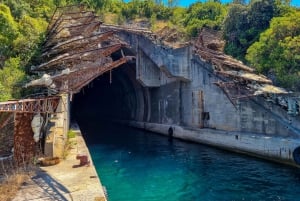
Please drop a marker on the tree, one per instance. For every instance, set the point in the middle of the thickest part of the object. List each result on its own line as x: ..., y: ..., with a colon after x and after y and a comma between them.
x: 278, y: 50
x: 4, y: 93
x: 243, y: 25
x: 31, y: 30
x: 10, y: 76
x: 178, y: 16
x: 260, y: 13
x: 209, y: 14
x: 8, y: 31
x: 18, y: 8
x: 20, y: 34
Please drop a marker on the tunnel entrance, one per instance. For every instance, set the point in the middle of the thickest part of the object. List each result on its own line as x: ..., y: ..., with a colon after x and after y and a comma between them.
x: 112, y: 96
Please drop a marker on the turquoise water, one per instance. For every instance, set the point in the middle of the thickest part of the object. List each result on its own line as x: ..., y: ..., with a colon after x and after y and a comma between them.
x: 138, y: 166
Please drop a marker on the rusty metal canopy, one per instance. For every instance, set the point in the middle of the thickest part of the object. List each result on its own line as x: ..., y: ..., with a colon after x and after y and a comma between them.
x: 236, y: 79
x: 77, y: 50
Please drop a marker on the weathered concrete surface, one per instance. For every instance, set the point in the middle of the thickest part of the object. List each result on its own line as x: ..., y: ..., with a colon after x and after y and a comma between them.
x: 57, y: 135
x: 175, y: 86
x: 182, y: 90
x: 65, y: 181
x: 175, y: 61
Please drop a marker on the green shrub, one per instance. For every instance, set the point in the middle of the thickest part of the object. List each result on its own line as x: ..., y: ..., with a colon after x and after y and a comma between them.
x: 71, y: 134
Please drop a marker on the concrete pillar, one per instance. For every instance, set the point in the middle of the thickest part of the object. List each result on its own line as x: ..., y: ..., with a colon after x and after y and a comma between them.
x: 57, y: 135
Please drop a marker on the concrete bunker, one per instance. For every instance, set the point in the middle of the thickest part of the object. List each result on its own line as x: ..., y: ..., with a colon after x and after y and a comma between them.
x: 156, y: 87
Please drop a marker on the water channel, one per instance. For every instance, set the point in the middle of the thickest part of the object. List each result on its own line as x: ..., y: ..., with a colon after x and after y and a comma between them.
x: 135, y: 165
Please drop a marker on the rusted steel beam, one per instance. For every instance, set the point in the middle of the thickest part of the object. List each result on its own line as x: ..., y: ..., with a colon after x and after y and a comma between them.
x: 73, y: 45
x: 71, y: 31
x: 65, y: 18
x: 82, y: 15
x: 245, y: 76
x: 69, y: 11
x: 61, y: 62
x: 137, y: 30
x: 58, y: 24
x: 40, y: 105
x: 75, y: 11
x: 78, y: 86
x: 221, y: 58
x: 112, y: 49
x: 76, y: 80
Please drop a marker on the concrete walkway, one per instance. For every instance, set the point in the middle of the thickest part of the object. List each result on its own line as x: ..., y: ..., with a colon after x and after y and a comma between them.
x: 66, y: 180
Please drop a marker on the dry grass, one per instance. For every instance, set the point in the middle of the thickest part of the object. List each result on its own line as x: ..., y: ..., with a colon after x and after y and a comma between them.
x: 159, y: 24
x: 11, y: 184
x: 12, y: 178
x: 110, y: 18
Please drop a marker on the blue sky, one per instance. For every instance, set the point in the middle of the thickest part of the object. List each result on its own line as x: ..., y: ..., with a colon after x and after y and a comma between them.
x: 186, y: 3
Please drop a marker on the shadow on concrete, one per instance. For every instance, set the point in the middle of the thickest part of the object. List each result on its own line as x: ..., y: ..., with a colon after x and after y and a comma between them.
x: 50, y: 187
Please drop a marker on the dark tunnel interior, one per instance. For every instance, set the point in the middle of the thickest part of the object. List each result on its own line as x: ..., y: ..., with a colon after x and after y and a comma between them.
x: 115, y: 96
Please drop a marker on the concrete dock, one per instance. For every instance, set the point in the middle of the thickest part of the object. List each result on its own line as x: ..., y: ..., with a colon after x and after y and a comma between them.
x: 66, y: 180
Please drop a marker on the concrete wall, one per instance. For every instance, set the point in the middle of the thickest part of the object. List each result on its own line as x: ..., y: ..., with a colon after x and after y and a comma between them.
x: 255, y: 117
x: 176, y: 61
x: 185, y: 94
x: 220, y: 112
x: 174, y: 88
x: 276, y: 149
x: 147, y: 73
x: 165, y: 104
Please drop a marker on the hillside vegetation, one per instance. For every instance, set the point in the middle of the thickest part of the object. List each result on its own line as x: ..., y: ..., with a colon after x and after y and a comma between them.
x: 264, y: 33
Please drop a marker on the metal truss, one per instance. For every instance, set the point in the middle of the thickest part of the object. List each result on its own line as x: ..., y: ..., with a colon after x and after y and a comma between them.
x: 76, y: 80
x: 40, y: 105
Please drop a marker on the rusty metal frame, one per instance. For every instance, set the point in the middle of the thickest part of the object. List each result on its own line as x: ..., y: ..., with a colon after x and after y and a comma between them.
x: 63, y: 11
x: 77, y: 43
x: 93, y: 75
x: 76, y: 80
x: 78, y: 28
x: 88, y: 55
x: 61, y: 19
x: 40, y: 105
x: 75, y: 59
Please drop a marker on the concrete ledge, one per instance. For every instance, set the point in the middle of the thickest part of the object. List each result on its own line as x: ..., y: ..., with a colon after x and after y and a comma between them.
x: 66, y: 180
x: 278, y: 149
